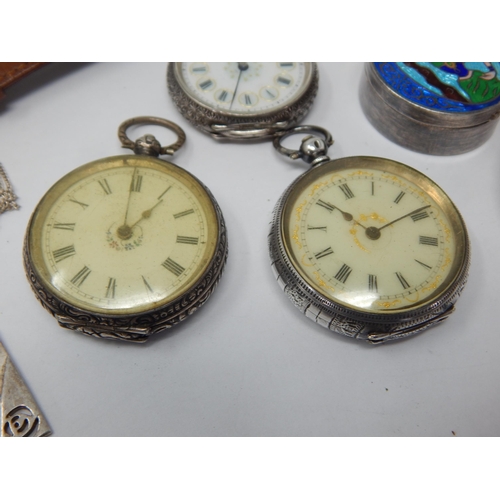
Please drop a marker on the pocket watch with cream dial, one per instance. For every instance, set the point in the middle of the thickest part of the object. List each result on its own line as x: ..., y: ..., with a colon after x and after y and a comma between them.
x: 126, y: 246
x: 243, y: 100
x: 367, y: 247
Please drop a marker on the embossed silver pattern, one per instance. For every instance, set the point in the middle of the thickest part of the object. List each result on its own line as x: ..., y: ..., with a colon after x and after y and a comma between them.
x: 223, y: 126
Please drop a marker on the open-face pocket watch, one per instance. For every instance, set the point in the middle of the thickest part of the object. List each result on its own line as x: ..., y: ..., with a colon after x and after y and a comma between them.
x: 367, y: 247
x: 126, y: 246
x: 243, y: 100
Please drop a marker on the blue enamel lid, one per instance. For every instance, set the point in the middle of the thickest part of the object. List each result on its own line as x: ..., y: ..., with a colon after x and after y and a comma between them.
x: 451, y: 87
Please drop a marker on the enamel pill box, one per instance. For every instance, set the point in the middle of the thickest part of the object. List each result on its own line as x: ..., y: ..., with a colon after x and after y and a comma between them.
x: 438, y: 108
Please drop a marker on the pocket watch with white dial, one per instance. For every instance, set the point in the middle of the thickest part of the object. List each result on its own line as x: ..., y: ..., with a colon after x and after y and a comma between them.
x: 367, y: 247
x: 126, y: 246
x: 243, y: 100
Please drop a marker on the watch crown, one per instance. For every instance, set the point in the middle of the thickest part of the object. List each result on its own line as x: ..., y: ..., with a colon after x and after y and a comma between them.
x: 147, y: 145
x: 313, y: 148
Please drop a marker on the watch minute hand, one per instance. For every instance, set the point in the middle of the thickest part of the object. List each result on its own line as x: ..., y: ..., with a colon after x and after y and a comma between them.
x: 407, y: 215
x: 242, y: 66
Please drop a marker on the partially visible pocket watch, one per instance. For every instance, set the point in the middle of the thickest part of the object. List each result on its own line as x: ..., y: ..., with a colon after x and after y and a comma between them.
x: 243, y: 100
x: 367, y: 247
x: 126, y: 246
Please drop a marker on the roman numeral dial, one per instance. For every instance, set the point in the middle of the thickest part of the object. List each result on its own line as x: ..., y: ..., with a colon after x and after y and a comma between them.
x: 128, y: 236
x: 240, y: 88
x: 369, y: 238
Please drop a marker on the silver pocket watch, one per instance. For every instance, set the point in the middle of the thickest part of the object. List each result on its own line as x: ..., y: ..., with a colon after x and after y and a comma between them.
x: 367, y: 247
x: 126, y: 246
x: 243, y: 100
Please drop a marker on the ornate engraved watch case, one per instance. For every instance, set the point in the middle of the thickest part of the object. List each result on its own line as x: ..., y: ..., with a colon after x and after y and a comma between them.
x: 433, y: 108
x: 126, y: 246
x: 367, y: 247
x: 241, y: 101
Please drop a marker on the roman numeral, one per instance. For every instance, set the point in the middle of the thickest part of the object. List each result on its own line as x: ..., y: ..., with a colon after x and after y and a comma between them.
x: 347, y: 191
x: 248, y: 100
x: 326, y: 205
x: 403, y: 282
x: 324, y: 253
x: 81, y: 276
x: 164, y: 193
x: 146, y: 284
x: 399, y: 197
x: 428, y: 240
x: 183, y: 214
x: 286, y: 64
x: 343, y: 273
x: 206, y: 84
x: 67, y: 226
x: 372, y: 283
x: 422, y: 264
x: 105, y: 186
x: 83, y: 205
x: 320, y: 228
x: 272, y: 95
x: 173, y: 267
x: 199, y: 69
x: 373, y: 188
x: 189, y: 240
x: 420, y: 216
x: 110, y: 290
x: 223, y: 95
x: 63, y: 253
x: 284, y: 81
x: 136, y: 184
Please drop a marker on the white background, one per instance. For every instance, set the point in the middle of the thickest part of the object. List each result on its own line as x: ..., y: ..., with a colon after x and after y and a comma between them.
x: 248, y: 363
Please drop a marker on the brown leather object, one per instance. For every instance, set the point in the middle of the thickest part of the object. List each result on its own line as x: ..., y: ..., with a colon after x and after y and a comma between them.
x: 11, y: 72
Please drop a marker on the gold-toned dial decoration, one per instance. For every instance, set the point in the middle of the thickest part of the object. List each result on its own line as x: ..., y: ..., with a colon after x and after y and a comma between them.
x: 125, y: 246
x: 377, y: 250
x: 243, y: 100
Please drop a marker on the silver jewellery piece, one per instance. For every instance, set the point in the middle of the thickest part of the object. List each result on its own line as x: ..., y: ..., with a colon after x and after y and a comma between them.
x: 19, y: 414
x: 341, y: 235
x: 7, y: 196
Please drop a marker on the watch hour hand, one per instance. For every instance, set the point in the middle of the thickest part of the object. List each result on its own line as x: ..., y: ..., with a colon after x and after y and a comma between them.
x: 146, y: 214
x: 346, y: 215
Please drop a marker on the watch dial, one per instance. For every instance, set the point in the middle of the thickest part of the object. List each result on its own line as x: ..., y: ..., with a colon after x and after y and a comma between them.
x: 373, y: 234
x: 244, y: 88
x: 123, y: 235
